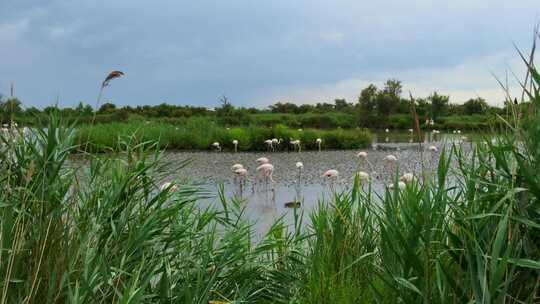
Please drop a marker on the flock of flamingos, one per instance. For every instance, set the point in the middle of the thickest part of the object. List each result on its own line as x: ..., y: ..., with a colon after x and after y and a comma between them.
x: 265, y: 170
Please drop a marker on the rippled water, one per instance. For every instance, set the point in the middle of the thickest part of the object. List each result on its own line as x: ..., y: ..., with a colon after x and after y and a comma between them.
x: 266, y: 202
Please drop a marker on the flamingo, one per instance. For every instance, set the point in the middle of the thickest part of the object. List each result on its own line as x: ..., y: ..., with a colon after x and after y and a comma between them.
x: 390, y: 158
x: 275, y: 143
x: 318, y: 141
x: 299, y: 167
x: 217, y: 146
x: 269, y: 144
x: 265, y: 171
x: 296, y: 144
x: 401, y: 186
x: 363, y: 176
x: 331, y: 175
x: 407, y: 178
x: 362, y: 154
x: 241, y: 174
x: 235, y: 143
x: 433, y: 149
x: 236, y: 167
x: 262, y: 160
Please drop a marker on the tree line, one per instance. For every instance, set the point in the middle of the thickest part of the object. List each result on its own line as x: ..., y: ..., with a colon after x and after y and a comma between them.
x: 374, y: 107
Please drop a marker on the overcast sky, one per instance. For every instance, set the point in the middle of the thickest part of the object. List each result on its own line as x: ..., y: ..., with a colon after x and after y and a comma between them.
x: 257, y: 52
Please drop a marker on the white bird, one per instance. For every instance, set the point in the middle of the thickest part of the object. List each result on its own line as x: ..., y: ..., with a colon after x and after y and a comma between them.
x: 242, y: 172
x: 433, y: 149
x: 262, y: 160
x: 216, y: 145
x: 332, y: 173
x: 269, y: 144
x: 236, y: 167
x: 401, y: 186
x: 235, y: 143
x: 266, y: 170
x: 410, y: 130
x: 318, y: 141
x: 362, y: 154
x: 363, y: 175
x: 407, y: 177
x: 296, y: 144
x: 275, y: 143
x: 458, y: 131
x: 386, y: 130
x: 299, y: 165
x: 390, y: 158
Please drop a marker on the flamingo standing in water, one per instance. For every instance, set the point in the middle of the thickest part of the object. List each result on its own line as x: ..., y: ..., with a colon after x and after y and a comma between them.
x: 296, y: 144
x: 217, y: 146
x: 241, y: 174
x: 269, y: 145
x: 265, y: 172
x: 299, y: 167
x: 318, y: 141
x: 262, y: 160
x: 235, y: 143
x: 275, y: 143
x: 332, y: 175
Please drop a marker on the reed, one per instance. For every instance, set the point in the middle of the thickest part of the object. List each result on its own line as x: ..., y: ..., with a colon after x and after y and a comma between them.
x: 106, y: 232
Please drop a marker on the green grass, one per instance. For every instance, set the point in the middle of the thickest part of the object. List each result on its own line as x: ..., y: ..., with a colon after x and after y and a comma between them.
x: 105, y: 233
x: 200, y: 133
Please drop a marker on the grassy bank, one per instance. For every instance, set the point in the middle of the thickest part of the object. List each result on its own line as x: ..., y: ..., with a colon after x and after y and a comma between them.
x: 199, y: 134
x: 108, y: 234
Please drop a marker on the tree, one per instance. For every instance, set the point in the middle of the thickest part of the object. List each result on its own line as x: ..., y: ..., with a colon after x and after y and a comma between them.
x: 340, y: 104
x: 83, y: 109
x: 475, y: 106
x: 10, y: 108
x: 439, y: 105
x: 107, y: 108
x: 367, y: 104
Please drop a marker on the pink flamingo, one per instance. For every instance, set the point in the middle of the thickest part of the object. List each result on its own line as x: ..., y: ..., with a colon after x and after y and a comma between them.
x: 262, y: 160
x: 241, y: 174
x: 265, y: 172
x: 332, y: 175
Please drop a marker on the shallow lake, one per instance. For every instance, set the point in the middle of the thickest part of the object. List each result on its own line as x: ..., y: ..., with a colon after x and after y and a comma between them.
x: 266, y: 201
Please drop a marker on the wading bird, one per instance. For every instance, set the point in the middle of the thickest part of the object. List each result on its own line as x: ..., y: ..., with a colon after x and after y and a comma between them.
x: 296, y: 144
x: 407, y: 177
x: 363, y: 176
x: 433, y: 149
x: 401, y: 186
x: 318, y: 141
x: 269, y: 145
x: 217, y: 146
x: 265, y: 172
x: 390, y: 158
x: 332, y: 176
x: 262, y: 160
x: 275, y: 143
x: 236, y: 167
x: 240, y: 178
x: 235, y: 143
